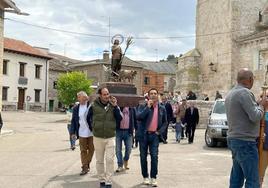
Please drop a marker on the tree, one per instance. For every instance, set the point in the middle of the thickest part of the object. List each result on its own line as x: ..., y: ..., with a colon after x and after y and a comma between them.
x: 171, y: 57
x: 69, y: 84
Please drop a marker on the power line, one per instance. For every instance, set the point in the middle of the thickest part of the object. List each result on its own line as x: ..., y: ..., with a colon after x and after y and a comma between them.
x: 138, y: 38
x: 59, y: 30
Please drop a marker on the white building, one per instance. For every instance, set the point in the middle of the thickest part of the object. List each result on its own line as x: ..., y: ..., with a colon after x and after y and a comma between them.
x: 25, y: 77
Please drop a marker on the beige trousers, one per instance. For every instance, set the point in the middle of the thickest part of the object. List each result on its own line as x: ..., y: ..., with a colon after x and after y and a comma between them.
x: 104, y: 148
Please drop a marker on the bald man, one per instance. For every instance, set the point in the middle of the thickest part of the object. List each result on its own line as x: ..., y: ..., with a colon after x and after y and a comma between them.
x: 243, y: 116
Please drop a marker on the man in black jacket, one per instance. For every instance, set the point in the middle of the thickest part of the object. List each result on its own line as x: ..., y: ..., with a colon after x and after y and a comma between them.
x: 81, y: 128
x: 191, y: 118
x: 169, y: 111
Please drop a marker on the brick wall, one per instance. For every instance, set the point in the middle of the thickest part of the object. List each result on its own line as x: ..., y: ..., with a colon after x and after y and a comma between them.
x: 156, y: 80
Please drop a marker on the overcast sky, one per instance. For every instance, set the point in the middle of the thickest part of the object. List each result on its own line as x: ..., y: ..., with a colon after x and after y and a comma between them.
x: 151, y: 19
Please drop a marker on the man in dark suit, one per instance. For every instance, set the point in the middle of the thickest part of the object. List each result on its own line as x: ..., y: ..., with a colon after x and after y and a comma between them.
x: 191, y: 118
x: 153, y: 122
x: 169, y: 111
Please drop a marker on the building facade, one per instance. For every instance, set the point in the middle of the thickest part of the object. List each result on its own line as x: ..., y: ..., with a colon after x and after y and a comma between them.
x: 160, y: 75
x: 25, y: 77
x: 11, y: 7
x: 228, y: 37
x: 95, y: 70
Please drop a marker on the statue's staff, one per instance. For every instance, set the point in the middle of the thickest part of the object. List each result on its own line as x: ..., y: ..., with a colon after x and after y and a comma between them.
x: 128, y: 42
x: 262, y: 123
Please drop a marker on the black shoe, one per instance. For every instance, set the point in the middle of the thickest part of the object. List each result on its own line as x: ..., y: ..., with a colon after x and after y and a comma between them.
x: 84, y: 172
x: 165, y: 142
x: 102, y: 185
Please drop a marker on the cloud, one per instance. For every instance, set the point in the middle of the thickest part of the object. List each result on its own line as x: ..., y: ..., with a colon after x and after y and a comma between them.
x: 130, y: 18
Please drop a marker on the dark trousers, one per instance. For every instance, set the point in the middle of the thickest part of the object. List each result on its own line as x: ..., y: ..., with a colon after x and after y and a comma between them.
x: 151, y: 142
x: 165, y: 134
x: 190, y: 129
x: 182, y: 132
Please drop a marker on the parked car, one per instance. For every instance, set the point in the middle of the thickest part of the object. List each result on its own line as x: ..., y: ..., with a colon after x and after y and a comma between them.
x: 217, y: 127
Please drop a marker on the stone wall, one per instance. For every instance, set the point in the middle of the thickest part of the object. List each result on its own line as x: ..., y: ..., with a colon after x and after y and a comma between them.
x: 253, y: 54
x: 218, y: 26
x: 9, y: 106
x: 213, y: 41
x: 187, y: 75
x: 37, y: 107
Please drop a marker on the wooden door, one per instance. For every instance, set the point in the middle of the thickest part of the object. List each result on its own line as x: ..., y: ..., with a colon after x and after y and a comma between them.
x: 21, y: 99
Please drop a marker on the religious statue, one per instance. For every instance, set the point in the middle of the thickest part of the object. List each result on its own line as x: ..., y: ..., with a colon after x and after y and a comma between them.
x: 116, y: 56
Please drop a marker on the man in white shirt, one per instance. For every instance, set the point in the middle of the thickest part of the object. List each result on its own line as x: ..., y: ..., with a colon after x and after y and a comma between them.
x: 81, y: 128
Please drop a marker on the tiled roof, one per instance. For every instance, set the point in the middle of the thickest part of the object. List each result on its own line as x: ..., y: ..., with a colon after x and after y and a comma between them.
x: 60, y: 62
x: 192, y: 53
x: 19, y: 46
x: 163, y: 67
x: 126, y: 62
x: 64, y: 59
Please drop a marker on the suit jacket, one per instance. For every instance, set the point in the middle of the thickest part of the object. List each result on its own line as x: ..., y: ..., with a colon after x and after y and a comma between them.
x: 75, y: 121
x: 144, y: 116
x: 191, y: 119
x: 132, y: 121
x: 169, y: 111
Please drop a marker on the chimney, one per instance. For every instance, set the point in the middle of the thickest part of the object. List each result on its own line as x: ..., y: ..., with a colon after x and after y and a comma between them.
x: 105, y: 55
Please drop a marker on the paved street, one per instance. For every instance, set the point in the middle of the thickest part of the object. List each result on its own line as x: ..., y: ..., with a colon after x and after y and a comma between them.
x: 37, y: 155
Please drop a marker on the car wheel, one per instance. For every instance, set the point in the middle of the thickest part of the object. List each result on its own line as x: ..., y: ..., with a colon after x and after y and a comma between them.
x: 210, y: 142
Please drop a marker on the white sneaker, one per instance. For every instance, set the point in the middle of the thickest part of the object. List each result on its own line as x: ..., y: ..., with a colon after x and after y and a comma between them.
x: 146, y: 181
x: 154, y: 182
x: 119, y: 169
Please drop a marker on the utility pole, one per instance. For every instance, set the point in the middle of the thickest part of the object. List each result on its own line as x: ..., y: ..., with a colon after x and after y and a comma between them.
x: 109, y: 42
x: 65, y: 44
x: 156, y: 54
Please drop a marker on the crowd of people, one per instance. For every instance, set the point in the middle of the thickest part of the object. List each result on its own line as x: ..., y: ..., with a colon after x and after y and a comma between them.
x: 103, y: 127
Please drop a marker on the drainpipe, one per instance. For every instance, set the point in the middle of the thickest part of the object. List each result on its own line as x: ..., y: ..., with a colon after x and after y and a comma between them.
x: 46, y: 90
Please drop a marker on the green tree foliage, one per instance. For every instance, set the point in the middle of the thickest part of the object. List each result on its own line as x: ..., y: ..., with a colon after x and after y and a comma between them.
x: 69, y: 84
x: 171, y: 57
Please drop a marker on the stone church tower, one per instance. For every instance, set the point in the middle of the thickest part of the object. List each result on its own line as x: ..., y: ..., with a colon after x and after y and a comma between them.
x: 219, y: 26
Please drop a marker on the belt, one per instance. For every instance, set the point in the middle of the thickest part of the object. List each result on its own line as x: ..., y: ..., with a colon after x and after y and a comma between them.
x: 151, y: 132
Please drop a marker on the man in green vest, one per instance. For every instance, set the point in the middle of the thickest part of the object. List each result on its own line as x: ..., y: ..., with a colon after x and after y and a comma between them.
x: 105, y: 114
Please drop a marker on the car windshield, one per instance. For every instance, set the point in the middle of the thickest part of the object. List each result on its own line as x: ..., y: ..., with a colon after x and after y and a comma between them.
x: 219, y: 108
